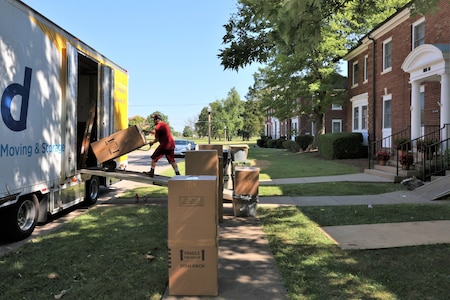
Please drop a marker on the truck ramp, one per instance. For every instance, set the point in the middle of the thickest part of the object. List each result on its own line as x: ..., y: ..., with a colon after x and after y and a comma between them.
x: 128, y: 175
x: 435, y: 189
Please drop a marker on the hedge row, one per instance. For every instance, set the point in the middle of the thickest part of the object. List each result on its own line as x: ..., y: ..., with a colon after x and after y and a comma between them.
x: 331, y: 146
x: 341, y: 145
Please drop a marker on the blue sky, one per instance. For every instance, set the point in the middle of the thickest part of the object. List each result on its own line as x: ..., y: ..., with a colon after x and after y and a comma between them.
x: 168, y: 47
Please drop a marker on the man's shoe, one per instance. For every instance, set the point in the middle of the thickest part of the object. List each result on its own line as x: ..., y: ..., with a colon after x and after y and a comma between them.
x: 151, y: 173
x: 177, y: 173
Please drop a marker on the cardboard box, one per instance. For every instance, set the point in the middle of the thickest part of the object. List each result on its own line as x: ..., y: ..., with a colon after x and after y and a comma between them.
x: 202, y: 162
x: 197, y: 233
x: 193, y: 270
x: 239, y: 152
x: 246, y: 181
x: 192, y: 200
x: 220, y: 174
x: 118, y: 144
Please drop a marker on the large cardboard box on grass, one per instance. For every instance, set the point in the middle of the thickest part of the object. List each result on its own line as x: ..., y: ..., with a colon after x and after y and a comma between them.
x: 193, y: 270
x: 118, y: 144
x: 193, y: 235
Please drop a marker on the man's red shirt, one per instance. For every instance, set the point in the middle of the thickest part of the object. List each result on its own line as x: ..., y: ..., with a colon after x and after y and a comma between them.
x: 162, y: 132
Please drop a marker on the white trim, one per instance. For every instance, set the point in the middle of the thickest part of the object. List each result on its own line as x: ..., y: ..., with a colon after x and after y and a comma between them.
x: 426, y: 61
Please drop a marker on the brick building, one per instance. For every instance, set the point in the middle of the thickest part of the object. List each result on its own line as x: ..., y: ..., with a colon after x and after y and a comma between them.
x: 399, y: 77
x: 335, y: 121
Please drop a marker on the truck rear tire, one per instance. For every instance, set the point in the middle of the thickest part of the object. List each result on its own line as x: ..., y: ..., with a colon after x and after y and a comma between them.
x: 92, y: 190
x: 21, y: 218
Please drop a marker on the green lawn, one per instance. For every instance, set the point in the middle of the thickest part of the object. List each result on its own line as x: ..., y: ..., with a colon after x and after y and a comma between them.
x: 120, y: 252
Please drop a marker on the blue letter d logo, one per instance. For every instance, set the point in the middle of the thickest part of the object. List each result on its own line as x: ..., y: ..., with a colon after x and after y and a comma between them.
x: 10, y: 92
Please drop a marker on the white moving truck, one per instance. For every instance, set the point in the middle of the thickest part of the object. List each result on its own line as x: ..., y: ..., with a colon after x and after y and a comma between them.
x: 57, y: 96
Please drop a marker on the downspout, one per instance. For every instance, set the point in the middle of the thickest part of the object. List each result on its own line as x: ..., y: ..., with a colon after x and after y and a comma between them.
x: 374, y: 93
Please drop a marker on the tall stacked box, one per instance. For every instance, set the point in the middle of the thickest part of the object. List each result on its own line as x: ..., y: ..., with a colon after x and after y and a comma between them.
x: 206, y: 162
x: 193, y: 236
x: 219, y: 149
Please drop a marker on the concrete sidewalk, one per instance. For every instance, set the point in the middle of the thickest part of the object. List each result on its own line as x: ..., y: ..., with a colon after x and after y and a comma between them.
x: 247, y: 269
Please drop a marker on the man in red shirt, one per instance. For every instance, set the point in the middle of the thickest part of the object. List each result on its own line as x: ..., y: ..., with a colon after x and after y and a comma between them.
x: 166, y: 145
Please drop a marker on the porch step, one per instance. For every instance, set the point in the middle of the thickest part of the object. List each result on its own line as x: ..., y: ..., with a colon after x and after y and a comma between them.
x: 390, y: 173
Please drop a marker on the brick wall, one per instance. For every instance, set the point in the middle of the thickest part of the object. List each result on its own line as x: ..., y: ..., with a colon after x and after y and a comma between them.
x: 396, y: 81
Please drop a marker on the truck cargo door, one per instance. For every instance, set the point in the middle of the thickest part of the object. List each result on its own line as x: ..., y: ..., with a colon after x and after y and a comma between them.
x: 106, y: 102
x: 70, y: 123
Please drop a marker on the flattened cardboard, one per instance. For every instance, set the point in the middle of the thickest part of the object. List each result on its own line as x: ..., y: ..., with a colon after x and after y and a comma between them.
x: 118, y: 144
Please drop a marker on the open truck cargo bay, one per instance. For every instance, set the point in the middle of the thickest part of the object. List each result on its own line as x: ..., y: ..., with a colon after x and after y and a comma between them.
x: 58, y: 95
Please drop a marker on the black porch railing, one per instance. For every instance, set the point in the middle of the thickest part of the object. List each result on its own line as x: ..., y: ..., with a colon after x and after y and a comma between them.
x: 429, y: 154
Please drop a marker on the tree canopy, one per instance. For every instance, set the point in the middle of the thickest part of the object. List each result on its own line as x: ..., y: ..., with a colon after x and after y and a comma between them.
x: 232, y: 115
x: 301, y: 43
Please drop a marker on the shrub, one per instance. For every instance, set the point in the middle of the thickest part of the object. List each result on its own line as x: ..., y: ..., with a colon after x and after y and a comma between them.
x: 291, y: 146
x: 304, y: 141
x: 341, y: 145
x: 262, y: 142
x: 280, y: 141
x: 271, y: 143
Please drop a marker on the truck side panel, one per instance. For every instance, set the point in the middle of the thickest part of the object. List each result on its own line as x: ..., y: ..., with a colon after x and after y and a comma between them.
x: 31, y: 147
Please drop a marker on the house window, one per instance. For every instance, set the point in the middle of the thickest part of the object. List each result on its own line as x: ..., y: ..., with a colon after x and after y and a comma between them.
x: 336, y: 125
x: 356, y: 118
x: 355, y: 74
x: 336, y: 107
x: 364, y: 117
x: 387, y: 113
x: 418, y: 32
x: 366, y: 68
x: 387, y: 55
x: 360, y: 112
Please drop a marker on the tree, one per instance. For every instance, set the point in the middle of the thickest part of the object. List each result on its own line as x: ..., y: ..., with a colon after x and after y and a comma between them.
x: 253, y: 119
x: 139, y: 121
x: 232, y: 117
x: 226, y: 113
x: 187, y: 131
x: 151, y: 124
x: 301, y: 41
x: 261, y: 29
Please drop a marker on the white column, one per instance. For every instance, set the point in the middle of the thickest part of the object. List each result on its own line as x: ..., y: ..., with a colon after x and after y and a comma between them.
x: 445, y: 102
x: 415, y: 110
